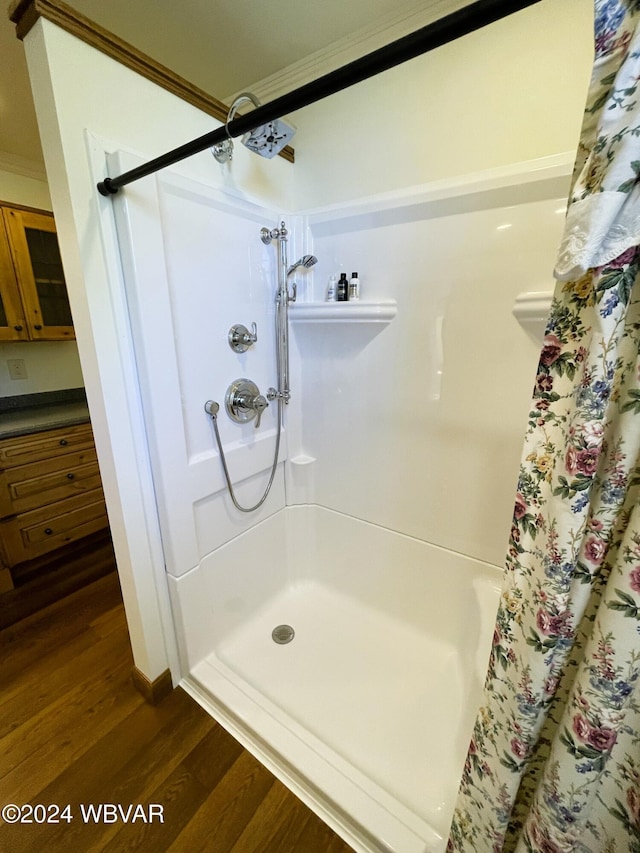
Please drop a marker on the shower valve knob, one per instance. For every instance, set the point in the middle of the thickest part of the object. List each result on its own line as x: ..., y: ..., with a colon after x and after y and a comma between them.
x: 244, y: 402
x: 240, y: 338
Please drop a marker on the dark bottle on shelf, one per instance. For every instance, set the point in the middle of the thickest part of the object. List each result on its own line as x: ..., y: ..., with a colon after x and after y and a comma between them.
x: 343, y: 288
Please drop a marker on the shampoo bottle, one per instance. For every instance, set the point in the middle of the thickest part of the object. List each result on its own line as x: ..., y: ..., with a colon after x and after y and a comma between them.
x: 354, y: 286
x: 343, y: 288
x: 332, y: 290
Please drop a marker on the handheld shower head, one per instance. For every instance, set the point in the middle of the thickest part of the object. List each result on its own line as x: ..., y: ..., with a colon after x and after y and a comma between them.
x: 305, y: 261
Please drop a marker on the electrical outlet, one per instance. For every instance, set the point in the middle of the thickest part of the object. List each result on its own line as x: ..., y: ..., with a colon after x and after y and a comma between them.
x: 17, y: 368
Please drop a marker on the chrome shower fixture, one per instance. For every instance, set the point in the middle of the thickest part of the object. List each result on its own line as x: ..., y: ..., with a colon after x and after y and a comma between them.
x: 305, y: 261
x: 223, y: 151
x: 267, y: 140
x: 243, y: 401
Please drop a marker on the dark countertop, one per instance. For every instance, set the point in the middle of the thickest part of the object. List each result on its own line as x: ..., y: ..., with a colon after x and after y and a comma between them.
x: 37, y: 412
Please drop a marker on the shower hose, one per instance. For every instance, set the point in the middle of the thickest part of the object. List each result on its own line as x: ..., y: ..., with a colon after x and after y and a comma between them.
x: 214, y: 417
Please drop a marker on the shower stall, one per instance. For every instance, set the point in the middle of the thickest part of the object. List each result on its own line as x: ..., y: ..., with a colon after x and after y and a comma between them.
x: 341, y: 629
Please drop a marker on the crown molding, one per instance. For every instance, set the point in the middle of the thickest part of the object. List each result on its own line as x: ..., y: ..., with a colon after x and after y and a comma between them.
x: 25, y: 13
x: 387, y: 29
x: 22, y: 166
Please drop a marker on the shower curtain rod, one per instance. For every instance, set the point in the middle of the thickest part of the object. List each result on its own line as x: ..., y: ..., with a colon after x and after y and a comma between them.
x: 449, y: 28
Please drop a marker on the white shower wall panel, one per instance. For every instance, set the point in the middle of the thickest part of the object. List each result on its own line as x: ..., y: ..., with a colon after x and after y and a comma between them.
x: 194, y: 266
x: 219, y: 273
x: 229, y: 587
x: 418, y: 426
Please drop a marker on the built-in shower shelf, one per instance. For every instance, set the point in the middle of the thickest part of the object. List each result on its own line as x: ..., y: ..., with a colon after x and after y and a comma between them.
x: 531, y: 309
x: 343, y: 312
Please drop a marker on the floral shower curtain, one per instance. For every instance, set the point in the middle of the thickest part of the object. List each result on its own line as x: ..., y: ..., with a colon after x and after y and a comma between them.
x: 554, y: 761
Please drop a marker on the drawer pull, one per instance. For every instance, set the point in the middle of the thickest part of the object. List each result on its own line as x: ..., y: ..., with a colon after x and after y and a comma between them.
x: 70, y: 476
x: 48, y: 531
x: 64, y: 442
x: 37, y: 327
x: 18, y: 328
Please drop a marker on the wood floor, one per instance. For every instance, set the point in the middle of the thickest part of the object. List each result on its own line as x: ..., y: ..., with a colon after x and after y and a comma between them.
x: 46, y: 579
x: 74, y: 731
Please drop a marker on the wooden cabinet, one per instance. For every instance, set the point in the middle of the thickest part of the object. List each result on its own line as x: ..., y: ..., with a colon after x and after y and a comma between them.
x: 50, y: 492
x: 34, y: 305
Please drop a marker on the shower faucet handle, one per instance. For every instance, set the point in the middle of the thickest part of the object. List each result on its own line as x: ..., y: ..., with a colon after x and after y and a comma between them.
x: 240, y: 338
x: 259, y: 404
x: 244, y: 402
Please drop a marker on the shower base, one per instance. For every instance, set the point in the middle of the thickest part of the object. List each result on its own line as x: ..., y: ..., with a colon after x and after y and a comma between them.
x: 366, y: 713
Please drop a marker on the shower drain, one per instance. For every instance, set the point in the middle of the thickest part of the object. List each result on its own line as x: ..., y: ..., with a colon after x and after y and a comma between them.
x: 282, y: 634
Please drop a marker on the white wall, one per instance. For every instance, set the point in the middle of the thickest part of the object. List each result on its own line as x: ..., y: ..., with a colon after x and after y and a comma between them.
x: 21, y: 189
x: 430, y: 412
x: 50, y: 366
x: 511, y: 92
x: 418, y: 426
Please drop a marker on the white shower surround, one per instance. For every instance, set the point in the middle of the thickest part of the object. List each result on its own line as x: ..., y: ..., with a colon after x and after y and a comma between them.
x: 366, y: 714
x: 391, y: 506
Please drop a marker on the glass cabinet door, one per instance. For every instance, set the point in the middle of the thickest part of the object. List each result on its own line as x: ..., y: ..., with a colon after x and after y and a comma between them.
x: 40, y: 273
x: 13, y: 326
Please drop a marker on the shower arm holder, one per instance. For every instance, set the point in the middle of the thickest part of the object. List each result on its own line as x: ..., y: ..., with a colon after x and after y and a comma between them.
x: 269, y: 234
x: 223, y: 151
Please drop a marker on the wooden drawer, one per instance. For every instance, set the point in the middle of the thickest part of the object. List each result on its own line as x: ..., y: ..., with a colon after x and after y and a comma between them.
x: 39, y: 531
x: 27, y: 487
x: 25, y: 449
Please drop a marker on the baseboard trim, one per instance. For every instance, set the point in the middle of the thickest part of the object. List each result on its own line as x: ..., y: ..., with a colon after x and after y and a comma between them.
x: 153, y: 691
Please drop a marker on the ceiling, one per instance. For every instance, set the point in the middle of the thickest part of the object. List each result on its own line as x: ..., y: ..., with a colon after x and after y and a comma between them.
x: 222, y: 46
